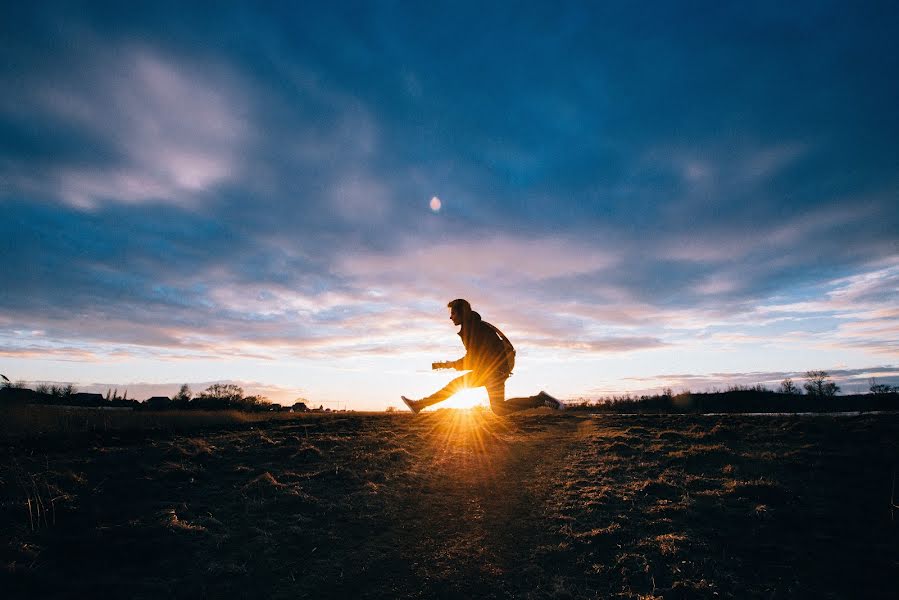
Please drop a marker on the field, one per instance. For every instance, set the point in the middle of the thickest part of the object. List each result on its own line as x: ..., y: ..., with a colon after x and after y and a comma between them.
x: 452, y: 504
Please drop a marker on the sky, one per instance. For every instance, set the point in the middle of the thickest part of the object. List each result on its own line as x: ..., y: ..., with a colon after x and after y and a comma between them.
x: 286, y: 195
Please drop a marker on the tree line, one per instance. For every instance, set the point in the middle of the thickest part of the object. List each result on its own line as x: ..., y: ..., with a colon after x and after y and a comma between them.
x: 820, y: 396
x: 219, y: 396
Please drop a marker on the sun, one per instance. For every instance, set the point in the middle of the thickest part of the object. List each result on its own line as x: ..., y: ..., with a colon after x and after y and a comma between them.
x: 466, y: 399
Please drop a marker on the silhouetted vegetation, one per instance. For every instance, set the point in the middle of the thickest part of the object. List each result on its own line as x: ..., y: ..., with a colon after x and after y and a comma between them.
x: 788, y: 387
x: 881, y: 389
x: 818, y: 383
x: 216, y: 397
x: 738, y: 399
x: 219, y: 396
x: 64, y: 395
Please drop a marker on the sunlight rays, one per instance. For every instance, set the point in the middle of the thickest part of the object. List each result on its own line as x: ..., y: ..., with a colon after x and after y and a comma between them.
x: 467, y: 398
x: 468, y: 441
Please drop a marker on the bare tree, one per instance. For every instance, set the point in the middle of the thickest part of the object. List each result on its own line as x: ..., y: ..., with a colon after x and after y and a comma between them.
x: 818, y: 383
x: 881, y: 388
x: 788, y: 387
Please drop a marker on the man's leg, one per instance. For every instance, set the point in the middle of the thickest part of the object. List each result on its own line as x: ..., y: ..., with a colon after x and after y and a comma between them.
x: 456, y: 385
x: 496, y: 391
x: 516, y: 404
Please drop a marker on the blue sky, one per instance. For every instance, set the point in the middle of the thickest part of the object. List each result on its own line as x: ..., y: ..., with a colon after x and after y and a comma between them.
x: 684, y: 194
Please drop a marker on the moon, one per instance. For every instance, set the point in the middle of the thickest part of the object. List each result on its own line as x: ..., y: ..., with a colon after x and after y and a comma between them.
x: 436, y: 204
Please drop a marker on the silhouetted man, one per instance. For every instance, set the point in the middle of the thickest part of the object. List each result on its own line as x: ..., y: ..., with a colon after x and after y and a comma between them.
x: 489, y: 358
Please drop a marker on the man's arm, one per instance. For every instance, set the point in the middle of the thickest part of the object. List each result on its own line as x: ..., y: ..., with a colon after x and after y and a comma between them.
x: 458, y: 365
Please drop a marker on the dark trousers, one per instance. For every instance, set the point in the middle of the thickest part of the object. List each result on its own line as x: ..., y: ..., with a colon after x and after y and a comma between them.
x: 496, y: 392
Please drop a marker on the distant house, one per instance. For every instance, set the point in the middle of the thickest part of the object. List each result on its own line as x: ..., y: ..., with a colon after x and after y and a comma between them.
x: 299, y: 407
x: 86, y: 399
x: 158, y: 402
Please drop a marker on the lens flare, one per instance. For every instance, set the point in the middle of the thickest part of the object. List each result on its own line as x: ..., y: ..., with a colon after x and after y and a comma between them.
x: 466, y: 399
x: 436, y: 204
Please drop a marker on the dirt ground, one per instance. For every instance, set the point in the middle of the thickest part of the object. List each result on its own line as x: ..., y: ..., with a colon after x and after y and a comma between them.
x: 459, y: 504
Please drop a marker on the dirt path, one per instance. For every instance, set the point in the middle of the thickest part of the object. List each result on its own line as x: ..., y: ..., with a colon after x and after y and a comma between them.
x: 478, y: 520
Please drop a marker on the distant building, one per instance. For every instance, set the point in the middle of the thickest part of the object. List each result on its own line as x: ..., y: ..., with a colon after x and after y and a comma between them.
x: 86, y: 399
x: 158, y: 402
x: 299, y: 407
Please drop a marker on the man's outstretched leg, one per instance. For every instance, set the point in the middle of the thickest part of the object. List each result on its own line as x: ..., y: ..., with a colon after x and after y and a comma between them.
x: 516, y: 404
x: 456, y: 385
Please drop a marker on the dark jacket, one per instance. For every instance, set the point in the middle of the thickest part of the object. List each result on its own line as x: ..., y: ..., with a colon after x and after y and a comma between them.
x: 484, y: 351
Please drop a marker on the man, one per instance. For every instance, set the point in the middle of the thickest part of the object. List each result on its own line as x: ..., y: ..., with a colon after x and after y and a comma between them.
x: 489, y: 364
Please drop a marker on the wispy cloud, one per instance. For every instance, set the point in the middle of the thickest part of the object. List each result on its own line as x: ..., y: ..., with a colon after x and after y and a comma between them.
x: 162, y: 130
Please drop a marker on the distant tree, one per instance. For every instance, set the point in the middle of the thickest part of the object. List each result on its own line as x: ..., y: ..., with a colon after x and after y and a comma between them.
x: 184, y: 394
x: 42, y: 388
x: 880, y: 389
x: 818, y: 383
x: 391, y: 409
x: 788, y: 387
x: 113, y: 395
x: 252, y: 403
x: 219, y: 396
x: 223, y: 391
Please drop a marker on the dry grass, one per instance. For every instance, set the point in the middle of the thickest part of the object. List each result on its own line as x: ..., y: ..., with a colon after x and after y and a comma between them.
x: 36, y: 420
x: 453, y: 505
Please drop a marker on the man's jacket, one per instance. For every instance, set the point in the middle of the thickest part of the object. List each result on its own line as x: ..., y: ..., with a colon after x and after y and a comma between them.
x: 484, y: 351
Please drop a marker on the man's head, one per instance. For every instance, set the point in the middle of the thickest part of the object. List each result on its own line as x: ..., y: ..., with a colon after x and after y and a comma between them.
x: 460, y: 310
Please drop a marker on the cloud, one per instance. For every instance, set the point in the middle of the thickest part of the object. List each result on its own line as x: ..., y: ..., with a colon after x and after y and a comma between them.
x: 164, y: 130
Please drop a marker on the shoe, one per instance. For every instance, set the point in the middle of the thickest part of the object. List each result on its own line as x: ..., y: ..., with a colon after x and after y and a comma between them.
x: 551, y: 402
x: 411, y: 404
